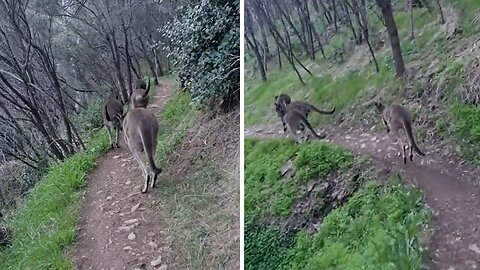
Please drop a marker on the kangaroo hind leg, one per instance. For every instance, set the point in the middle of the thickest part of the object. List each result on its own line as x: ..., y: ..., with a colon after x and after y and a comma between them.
x: 143, y: 167
x: 109, y: 131
x: 411, y: 153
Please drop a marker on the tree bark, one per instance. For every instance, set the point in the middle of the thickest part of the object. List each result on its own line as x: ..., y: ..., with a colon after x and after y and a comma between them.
x: 254, y: 47
x: 386, y: 8
x: 442, y: 18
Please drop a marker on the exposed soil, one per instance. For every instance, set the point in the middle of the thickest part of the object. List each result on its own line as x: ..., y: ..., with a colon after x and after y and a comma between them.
x: 120, y: 227
x: 320, y: 197
x: 450, y: 184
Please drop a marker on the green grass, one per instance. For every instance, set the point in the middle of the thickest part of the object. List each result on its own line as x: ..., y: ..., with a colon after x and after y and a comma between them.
x: 271, y: 195
x: 379, y: 227
x: 44, y: 227
x: 200, y: 218
x: 324, y: 92
x: 466, y: 126
x: 471, y: 11
x: 350, y: 87
x: 177, y: 117
x: 267, y: 193
x: 266, y: 247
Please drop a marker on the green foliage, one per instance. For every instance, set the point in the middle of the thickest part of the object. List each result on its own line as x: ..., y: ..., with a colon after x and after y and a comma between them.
x: 470, y: 10
x: 266, y: 246
x: 90, y: 118
x: 205, y: 41
x: 44, y: 227
x: 378, y: 228
x: 319, y: 160
x: 177, y: 116
x: 267, y: 193
x: 466, y: 126
x: 193, y: 205
x: 271, y: 195
x: 16, y: 179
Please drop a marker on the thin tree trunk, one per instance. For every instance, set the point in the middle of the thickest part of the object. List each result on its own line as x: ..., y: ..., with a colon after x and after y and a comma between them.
x: 128, y: 58
x: 158, y: 66
x: 335, y: 15
x: 349, y: 19
x: 358, y: 13
x: 279, y: 58
x: 264, y: 40
x: 386, y: 7
x: 412, y: 34
x: 254, y: 47
x: 442, y: 18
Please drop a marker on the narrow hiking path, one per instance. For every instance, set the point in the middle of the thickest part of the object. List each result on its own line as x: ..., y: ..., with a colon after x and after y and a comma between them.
x: 451, y: 186
x: 120, y: 227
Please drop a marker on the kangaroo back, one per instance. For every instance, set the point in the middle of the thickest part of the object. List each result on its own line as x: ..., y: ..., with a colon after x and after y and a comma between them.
x: 148, y: 135
x: 408, y: 129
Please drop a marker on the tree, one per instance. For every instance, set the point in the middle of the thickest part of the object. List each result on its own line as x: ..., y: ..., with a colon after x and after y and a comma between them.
x: 386, y: 8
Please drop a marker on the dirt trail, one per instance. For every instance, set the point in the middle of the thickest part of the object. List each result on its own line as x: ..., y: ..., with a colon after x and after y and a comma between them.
x: 451, y: 186
x: 121, y: 228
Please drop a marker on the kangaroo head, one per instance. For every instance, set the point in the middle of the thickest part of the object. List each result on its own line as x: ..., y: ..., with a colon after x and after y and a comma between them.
x: 380, y: 107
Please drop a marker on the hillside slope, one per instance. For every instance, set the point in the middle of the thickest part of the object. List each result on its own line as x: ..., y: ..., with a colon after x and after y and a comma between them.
x: 439, y: 89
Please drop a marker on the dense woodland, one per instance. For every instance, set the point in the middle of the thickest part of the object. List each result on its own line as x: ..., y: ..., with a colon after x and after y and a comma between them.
x: 299, y: 29
x: 60, y: 59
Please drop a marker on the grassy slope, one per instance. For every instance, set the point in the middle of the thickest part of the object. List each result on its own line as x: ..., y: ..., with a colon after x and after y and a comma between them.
x: 44, y: 227
x: 197, y: 202
x: 350, y: 85
x: 177, y: 117
x: 378, y: 227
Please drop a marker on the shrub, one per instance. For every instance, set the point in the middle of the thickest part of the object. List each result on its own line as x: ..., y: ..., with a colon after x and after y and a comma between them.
x: 265, y: 246
x: 89, y: 119
x: 205, y: 42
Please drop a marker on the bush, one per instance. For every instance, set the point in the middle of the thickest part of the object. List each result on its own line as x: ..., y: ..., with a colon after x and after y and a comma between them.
x: 17, y: 178
x: 266, y: 247
x: 89, y: 119
x: 466, y: 127
x: 205, y: 42
x: 378, y: 228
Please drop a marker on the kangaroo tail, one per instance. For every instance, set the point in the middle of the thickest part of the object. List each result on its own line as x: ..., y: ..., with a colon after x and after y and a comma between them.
x: 408, y: 129
x: 105, y: 112
x: 149, y: 146
x: 305, y: 121
x: 320, y: 111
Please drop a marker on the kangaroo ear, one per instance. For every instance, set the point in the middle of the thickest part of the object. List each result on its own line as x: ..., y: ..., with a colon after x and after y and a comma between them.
x: 378, y: 105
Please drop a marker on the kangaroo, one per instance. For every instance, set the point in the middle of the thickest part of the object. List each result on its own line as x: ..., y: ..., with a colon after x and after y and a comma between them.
x: 140, y: 84
x: 112, y: 119
x: 140, y: 134
x: 397, y: 118
x: 283, y: 101
x: 296, y: 122
x: 140, y: 94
